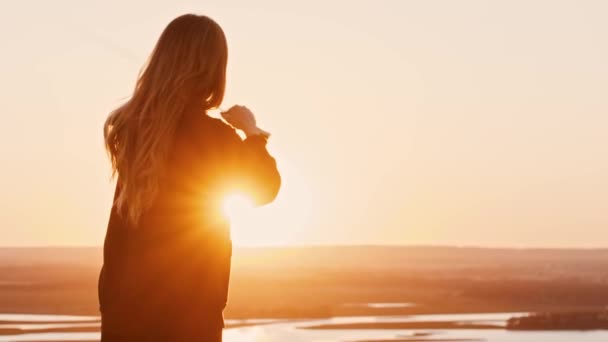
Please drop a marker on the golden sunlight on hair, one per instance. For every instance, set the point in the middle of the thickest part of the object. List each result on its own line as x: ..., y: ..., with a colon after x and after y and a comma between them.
x: 186, y: 70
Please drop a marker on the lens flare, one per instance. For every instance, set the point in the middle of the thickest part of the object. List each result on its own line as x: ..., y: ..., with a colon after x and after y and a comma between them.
x: 236, y: 206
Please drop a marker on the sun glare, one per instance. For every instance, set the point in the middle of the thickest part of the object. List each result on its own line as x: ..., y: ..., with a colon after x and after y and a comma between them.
x: 236, y: 205
x: 280, y: 223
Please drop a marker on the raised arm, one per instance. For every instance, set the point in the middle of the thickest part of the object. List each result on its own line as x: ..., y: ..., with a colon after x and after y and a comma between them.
x: 252, y: 169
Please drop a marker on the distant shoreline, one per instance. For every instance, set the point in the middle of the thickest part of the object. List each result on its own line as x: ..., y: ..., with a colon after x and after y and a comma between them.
x: 463, y: 323
x: 347, y: 246
x: 317, y: 282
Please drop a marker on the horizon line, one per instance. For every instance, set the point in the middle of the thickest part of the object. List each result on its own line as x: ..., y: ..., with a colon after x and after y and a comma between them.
x: 339, y: 245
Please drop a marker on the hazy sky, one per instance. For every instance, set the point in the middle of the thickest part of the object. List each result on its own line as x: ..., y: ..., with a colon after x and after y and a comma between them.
x: 402, y: 122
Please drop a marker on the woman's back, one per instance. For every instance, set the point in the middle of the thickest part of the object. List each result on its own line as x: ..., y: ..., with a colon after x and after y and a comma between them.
x: 167, y: 249
x: 168, y: 274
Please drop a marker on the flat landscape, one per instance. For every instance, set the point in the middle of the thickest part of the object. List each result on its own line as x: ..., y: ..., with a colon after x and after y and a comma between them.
x: 317, y: 282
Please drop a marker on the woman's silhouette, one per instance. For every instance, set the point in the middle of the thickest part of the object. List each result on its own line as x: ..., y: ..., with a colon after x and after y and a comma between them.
x: 167, y: 249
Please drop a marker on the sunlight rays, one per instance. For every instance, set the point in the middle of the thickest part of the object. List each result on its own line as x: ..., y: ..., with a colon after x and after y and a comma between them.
x: 286, y: 221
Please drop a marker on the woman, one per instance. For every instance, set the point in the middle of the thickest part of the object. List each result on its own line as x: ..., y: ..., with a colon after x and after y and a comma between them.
x: 167, y: 249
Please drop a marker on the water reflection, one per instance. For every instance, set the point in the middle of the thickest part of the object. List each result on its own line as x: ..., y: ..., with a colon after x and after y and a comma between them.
x: 286, y: 330
x: 380, y: 305
x: 45, y: 318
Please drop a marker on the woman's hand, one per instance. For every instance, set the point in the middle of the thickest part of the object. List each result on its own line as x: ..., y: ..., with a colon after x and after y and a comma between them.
x: 240, y: 117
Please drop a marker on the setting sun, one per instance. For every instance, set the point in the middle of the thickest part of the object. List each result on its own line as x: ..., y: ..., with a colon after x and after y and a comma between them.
x: 283, y: 222
x: 240, y: 211
x: 236, y: 205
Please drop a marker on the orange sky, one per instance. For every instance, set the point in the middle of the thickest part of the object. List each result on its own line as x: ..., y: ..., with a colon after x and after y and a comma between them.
x: 402, y: 122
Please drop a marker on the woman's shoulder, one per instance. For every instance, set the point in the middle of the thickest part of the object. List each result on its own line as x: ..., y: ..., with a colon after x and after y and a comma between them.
x: 207, y: 126
x: 221, y: 127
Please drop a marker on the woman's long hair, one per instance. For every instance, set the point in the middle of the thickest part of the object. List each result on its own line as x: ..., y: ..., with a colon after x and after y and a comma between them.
x: 185, y: 72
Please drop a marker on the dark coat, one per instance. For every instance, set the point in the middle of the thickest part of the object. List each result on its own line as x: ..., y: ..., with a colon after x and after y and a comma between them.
x: 168, y: 274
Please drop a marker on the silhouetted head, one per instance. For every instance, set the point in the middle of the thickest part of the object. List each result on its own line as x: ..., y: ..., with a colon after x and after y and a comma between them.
x: 185, y: 72
x: 190, y: 60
